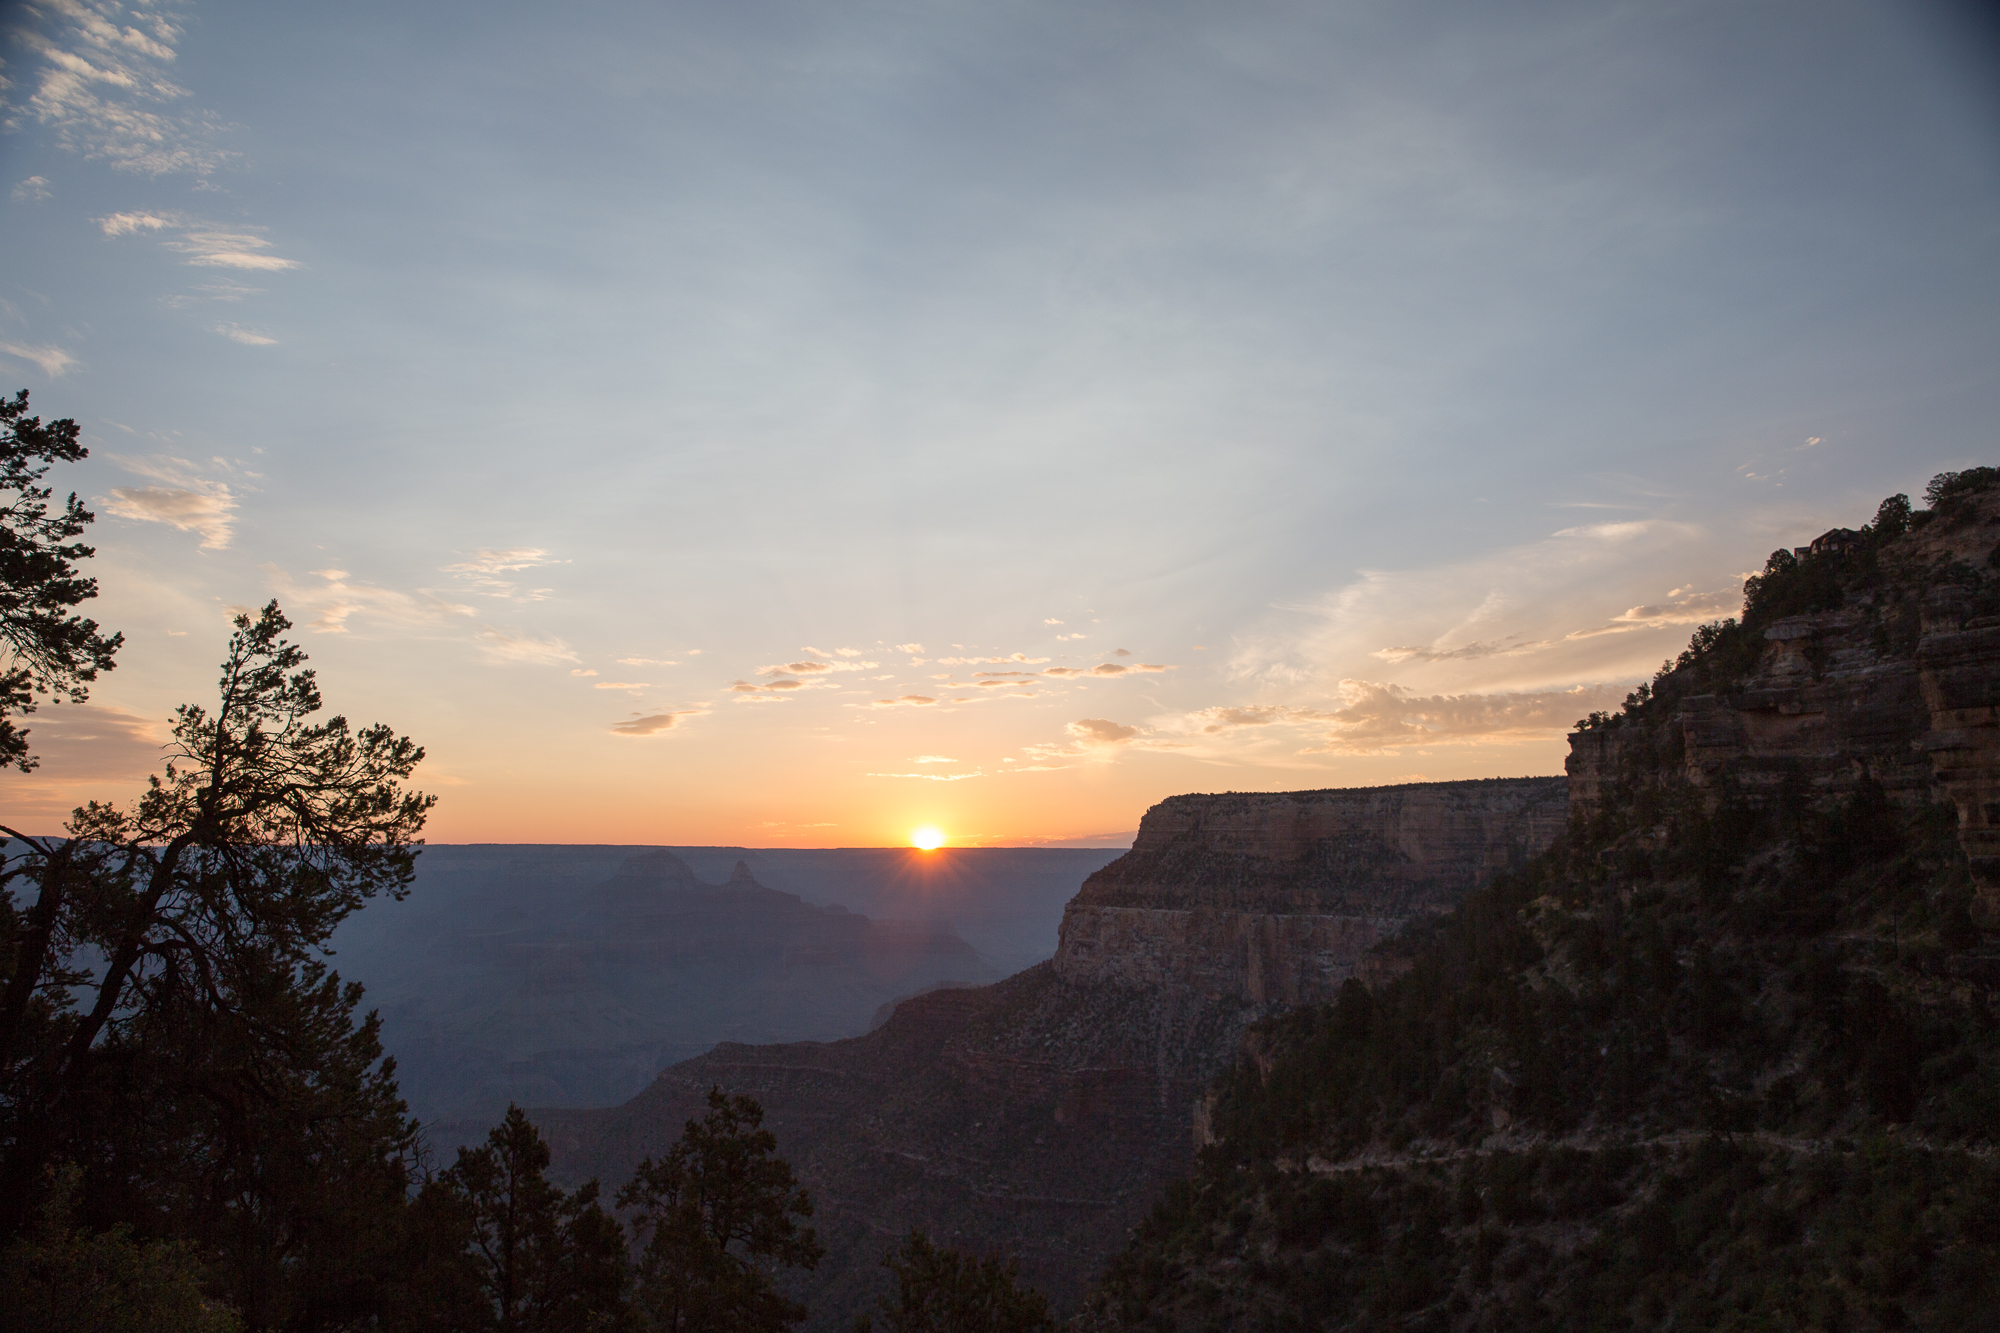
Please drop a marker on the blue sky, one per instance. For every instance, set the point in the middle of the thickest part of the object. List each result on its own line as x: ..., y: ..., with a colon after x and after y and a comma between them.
x: 601, y: 386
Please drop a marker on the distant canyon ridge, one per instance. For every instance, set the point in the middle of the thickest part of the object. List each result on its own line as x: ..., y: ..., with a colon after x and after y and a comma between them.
x: 571, y: 975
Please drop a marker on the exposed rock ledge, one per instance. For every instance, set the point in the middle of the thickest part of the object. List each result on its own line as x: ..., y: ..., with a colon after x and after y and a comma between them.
x: 1263, y: 957
x: 1275, y: 898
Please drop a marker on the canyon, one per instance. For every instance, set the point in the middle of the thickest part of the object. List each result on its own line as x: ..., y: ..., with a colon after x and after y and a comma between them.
x: 1041, y: 1115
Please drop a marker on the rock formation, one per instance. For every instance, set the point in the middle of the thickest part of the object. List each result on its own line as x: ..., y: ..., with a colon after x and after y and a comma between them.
x: 1276, y: 898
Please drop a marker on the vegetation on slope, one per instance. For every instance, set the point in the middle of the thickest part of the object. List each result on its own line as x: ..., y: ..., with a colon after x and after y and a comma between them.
x: 1732, y: 1077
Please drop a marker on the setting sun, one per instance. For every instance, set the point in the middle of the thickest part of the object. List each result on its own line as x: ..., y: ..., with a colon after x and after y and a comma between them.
x: 928, y: 838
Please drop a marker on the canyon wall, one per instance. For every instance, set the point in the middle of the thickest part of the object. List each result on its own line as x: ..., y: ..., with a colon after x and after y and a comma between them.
x: 1276, y: 897
x: 1898, y: 685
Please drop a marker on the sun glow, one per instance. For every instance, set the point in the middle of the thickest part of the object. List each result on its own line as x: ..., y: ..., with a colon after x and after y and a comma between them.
x: 928, y: 838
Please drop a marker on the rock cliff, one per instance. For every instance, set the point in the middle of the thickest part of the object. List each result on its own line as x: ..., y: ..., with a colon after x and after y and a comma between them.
x: 1276, y: 897
x: 1879, y: 665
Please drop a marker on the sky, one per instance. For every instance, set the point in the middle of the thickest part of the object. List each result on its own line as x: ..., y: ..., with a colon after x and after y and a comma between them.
x: 791, y: 424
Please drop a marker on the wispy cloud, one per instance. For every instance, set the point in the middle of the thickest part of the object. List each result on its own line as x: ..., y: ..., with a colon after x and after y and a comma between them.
x: 248, y: 337
x: 33, y: 190
x: 814, y: 668
x: 655, y: 723
x: 188, y: 500
x: 1376, y: 718
x: 1100, y: 739
x: 483, y: 572
x: 51, y: 361
x: 1684, y: 606
x: 204, y: 244
x: 334, y: 598
x: 500, y: 646
x: 101, y: 88
x: 1108, y: 669
x: 905, y: 701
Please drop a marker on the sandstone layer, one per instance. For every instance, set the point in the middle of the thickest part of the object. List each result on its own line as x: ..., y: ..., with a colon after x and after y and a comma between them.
x: 1276, y: 898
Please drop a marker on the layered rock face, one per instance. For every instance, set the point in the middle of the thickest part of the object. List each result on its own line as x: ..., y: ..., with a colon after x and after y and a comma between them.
x: 1898, y: 684
x: 1276, y: 898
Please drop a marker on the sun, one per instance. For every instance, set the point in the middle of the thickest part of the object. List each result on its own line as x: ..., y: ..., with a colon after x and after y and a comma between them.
x: 928, y: 838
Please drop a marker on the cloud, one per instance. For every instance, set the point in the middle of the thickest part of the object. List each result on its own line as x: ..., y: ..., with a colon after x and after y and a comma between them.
x: 814, y: 668
x: 51, y: 361
x: 1101, y: 740
x: 932, y: 759
x: 102, y: 91
x: 92, y: 741
x: 773, y: 691
x: 646, y: 661
x: 229, y: 249
x: 482, y: 569
x: 583, y: 671
x: 985, y: 661
x: 1122, y: 652
x: 1497, y: 622
x: 33, y: 190
x: 1512, y: 646
x: 1213, y: 720
x: 512, y: 558
x: 838, y: 652
x: 335, y: 599
x: 909, y: 648
x: 1052, y: 622
x: 1376, y: 718
x: 248, y: 337
x: 125, y: 224
x: 189, y: 501
x: 534, y: 650
x: 208, y: 513
x: 621, y: 684
x: 1107, y: 669
x: 204, y: 244
x: 656, y: 723
x: 1684, y: 606
x: 1096, y: 732
x: 905, y: 701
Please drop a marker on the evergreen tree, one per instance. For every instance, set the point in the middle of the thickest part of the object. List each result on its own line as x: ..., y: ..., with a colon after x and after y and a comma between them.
x: 941, y: 1290
x: 49, y: 649
x: 59, y: 1278
x: 546, y: 1261
x: 167, y: 1022
x: 720, y: 1212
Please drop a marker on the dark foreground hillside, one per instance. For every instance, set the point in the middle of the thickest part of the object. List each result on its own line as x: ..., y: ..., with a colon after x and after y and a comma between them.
x: 1725, y: 1057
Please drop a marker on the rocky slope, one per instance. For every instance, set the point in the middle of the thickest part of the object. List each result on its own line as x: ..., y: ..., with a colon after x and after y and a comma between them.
x: 1724, y: 1057
x: 1041, y: 1116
